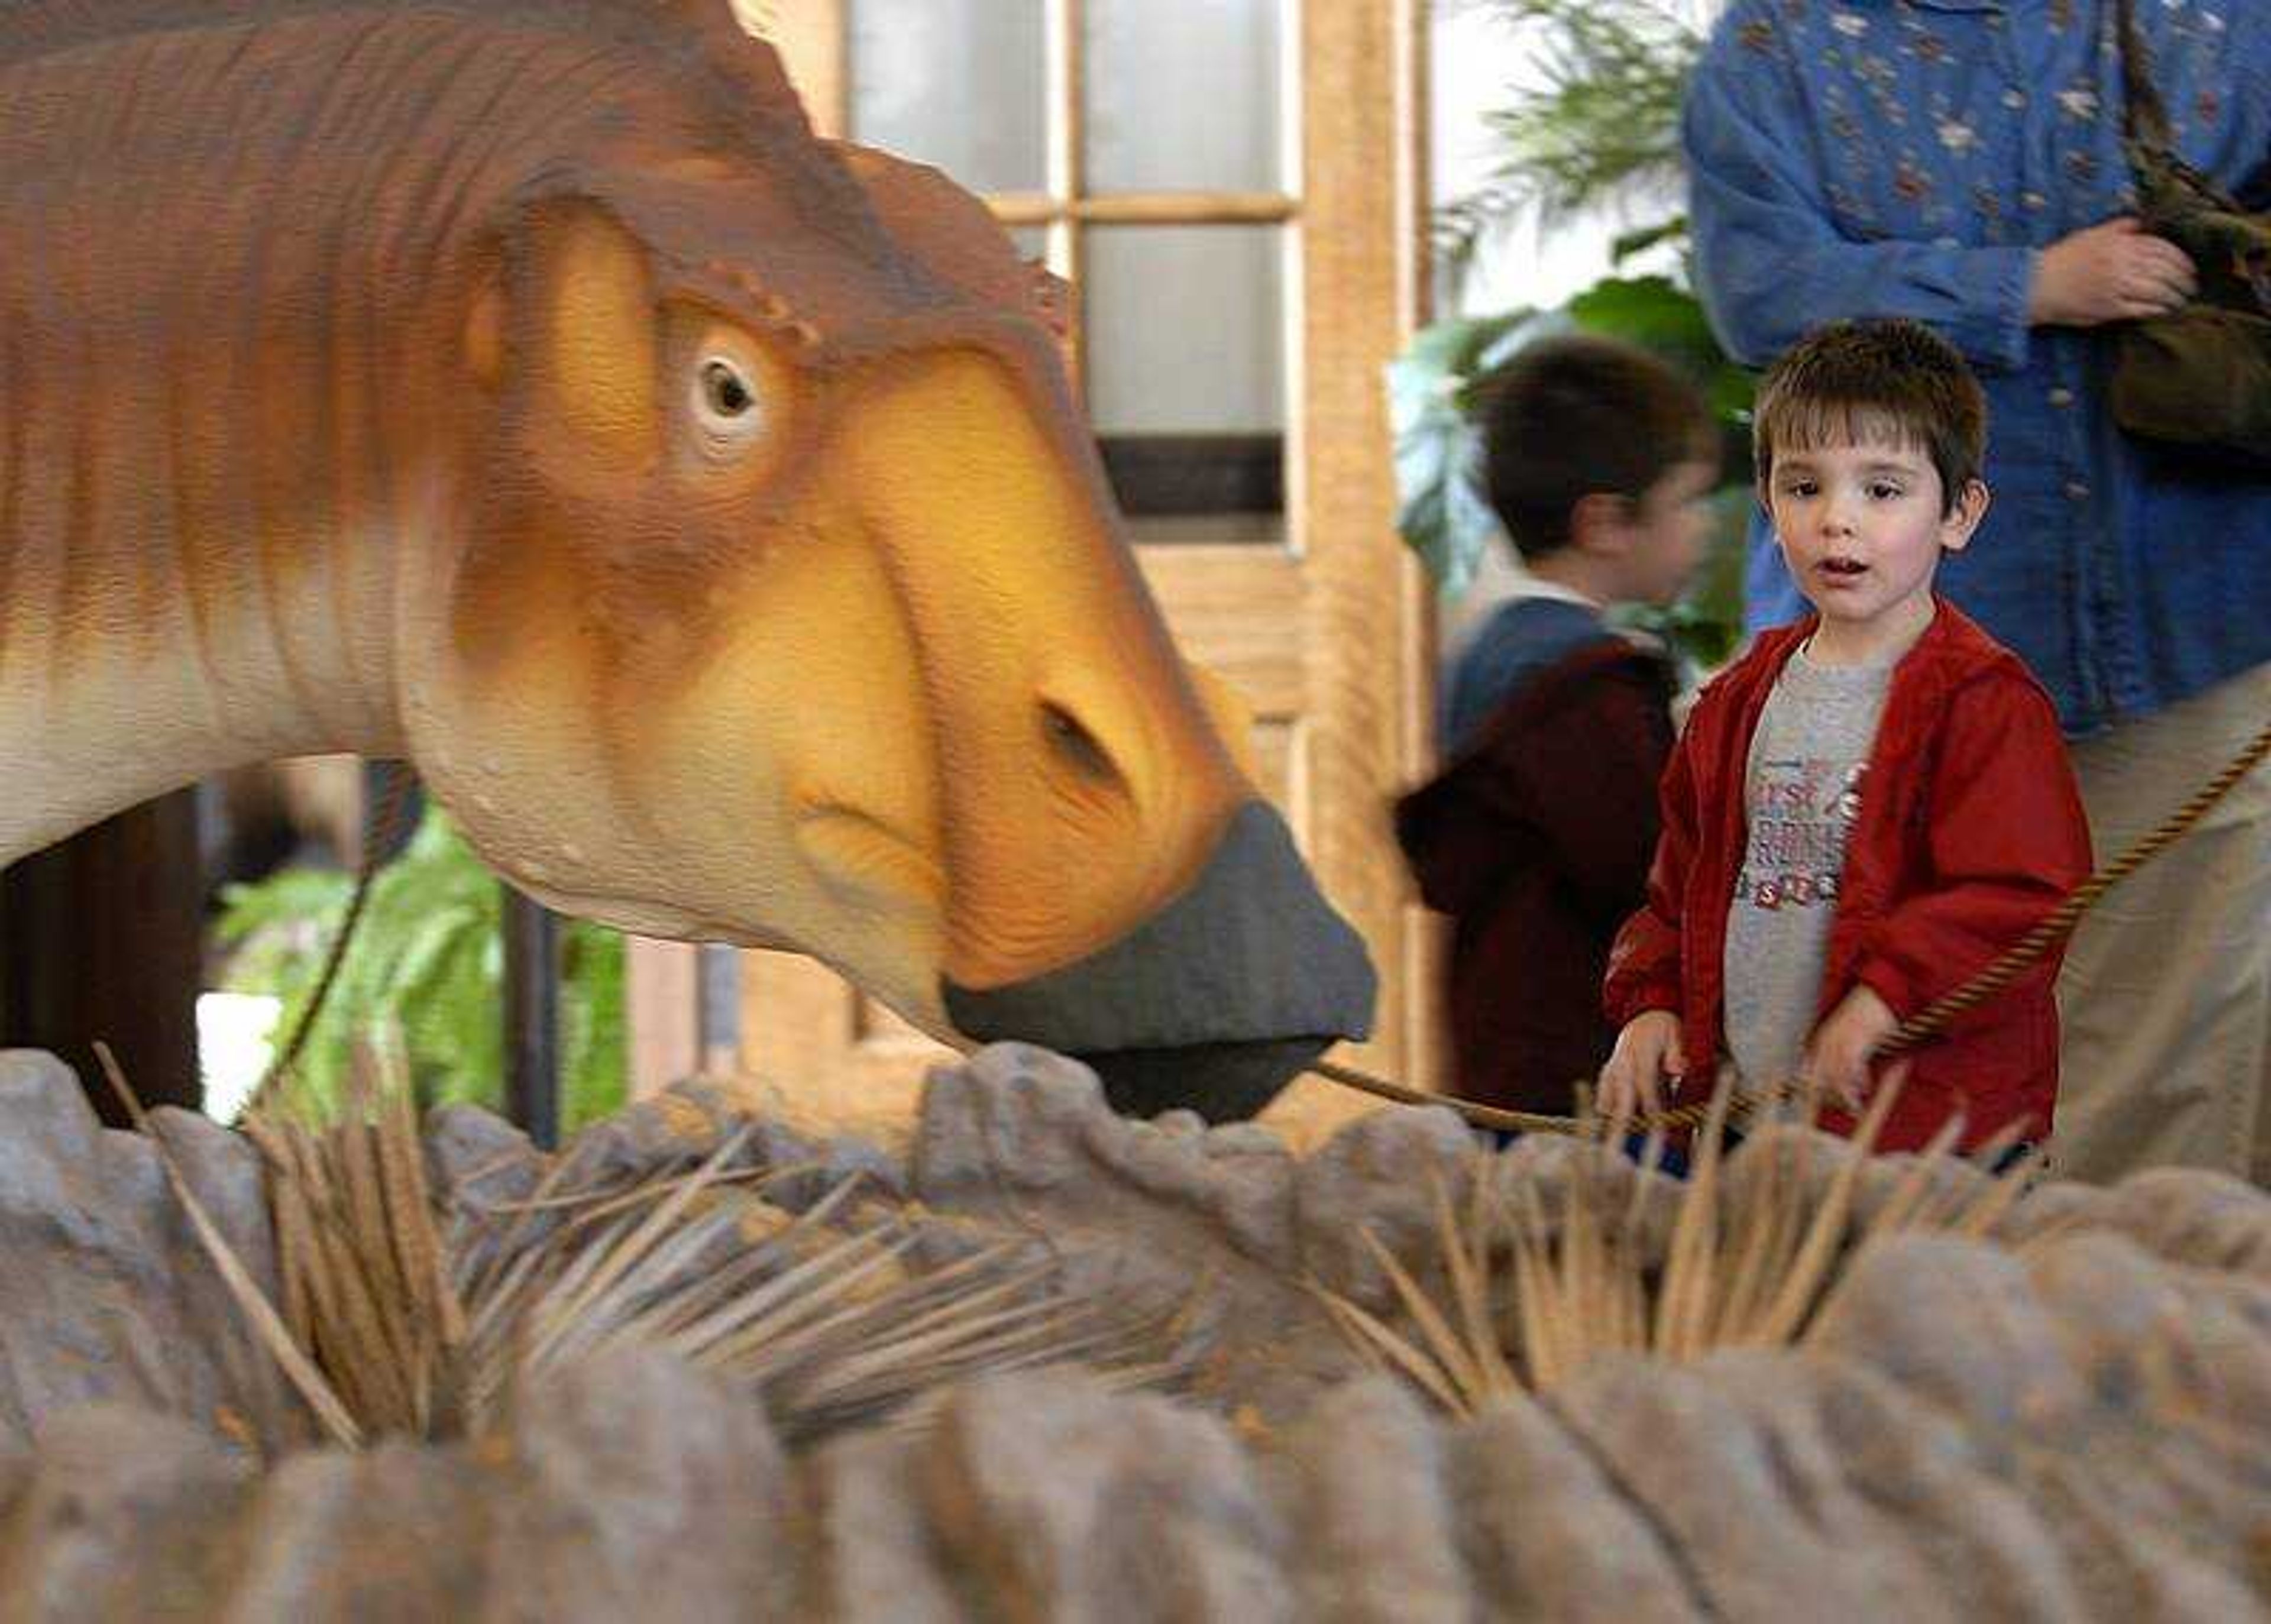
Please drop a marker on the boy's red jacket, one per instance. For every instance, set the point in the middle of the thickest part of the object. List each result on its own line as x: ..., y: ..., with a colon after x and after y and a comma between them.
x: 1970, y: 832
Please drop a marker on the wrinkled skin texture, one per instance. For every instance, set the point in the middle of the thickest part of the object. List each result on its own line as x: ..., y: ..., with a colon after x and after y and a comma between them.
x: 520, y: 388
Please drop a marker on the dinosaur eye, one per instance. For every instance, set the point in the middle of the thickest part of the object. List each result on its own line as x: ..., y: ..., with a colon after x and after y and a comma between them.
x: 725, y: 406
x: 727, y: 391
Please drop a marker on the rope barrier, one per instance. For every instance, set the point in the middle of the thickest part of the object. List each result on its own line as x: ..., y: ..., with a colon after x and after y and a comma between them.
x: 379, y: 833
x: 1917, y: 1030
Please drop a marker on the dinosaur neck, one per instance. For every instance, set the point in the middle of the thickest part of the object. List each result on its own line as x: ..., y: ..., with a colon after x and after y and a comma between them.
x: 216, y: 449
x: 83, y: 738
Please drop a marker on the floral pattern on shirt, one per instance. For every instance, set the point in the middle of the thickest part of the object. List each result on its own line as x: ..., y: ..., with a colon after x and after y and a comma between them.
x: 1911, y: 158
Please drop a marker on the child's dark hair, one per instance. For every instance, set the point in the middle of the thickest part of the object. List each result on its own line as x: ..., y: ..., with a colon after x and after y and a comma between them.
x: 1874, y: 380
x: 1578, y: 416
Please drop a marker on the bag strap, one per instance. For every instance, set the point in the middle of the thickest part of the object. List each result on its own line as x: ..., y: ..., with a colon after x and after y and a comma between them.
x: 2180, y: 202
x: 2144, y: 117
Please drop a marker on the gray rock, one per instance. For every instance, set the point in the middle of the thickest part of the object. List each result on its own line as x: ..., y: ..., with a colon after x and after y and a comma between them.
x: 1013, y: 1123
x: 1380, y: 1174
x: 872, y: 1554
x: 1366, y: 1494
x: 2070, y: 1420
x: 106, y: 1293
x: 1759, y: 1469
x: 2045, y: 1371
x: 638, y: 1488
x: 1957, y: 1324
x: 476, y: 1159
x: 1157, y: 1220
x: 1546, y: 1532
x: 2188, y: 1215
x: 1054, y: 1499
x: 127, y: 1518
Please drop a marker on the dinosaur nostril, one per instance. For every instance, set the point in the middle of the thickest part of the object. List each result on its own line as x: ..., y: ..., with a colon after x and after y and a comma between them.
x: 1072, y: 742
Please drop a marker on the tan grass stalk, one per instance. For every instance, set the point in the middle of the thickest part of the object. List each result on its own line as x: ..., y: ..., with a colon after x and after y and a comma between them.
x: 1470, y: 1264
x: 1536, y: 1299
x: 476, y: 1282
x: 593, y: 1206
x: 1766, y: 1229
x: 1582, y: 1293
x: 610, y: 1263
x: 1755, y: 1270
x: 1911, y: 1205
x: 1683, y: 1305
x: 718, y: 1314
x: 410, y: 1202
x: 809, y: 1293
x: 2002, y: 1192
x: 1944, y: 1207
x: 259, y: 1313
x: 369, y: 1257
x: 390, y: 1325
x: 1999, y: 1143
x: 1442, y: 1342
x: 289, y: 1218
x: 1801, y: 1287
x: 354, y: 1334
x: 1389, y: 1351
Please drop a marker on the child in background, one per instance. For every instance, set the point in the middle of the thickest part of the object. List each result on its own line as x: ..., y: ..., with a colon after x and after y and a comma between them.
x: 1872, y: 803
x: 1536, y: 835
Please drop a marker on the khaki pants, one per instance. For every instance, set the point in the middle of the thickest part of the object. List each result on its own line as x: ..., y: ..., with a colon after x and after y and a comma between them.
x: 2165, y: 999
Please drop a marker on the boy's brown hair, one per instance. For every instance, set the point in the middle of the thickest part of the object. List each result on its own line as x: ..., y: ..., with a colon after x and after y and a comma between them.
x: 1577, y: 416
x: 1856, y: 381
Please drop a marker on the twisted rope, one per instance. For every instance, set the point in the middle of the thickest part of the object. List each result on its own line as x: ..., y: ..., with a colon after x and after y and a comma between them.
x: 1918, y: 1029
x: 378, y: 833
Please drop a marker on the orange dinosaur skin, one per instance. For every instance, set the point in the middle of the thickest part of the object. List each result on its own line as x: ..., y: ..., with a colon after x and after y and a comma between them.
x: 517, y: 386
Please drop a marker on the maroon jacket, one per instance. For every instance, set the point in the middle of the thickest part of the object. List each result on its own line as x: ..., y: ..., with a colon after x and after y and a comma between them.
x: 1535, y: 839
x: 1970, y: 832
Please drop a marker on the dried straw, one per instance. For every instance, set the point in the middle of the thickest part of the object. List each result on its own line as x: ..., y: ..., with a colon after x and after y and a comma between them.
x: 394, y: 1324
x: 298, y: 1368
x: 1534, y: 1299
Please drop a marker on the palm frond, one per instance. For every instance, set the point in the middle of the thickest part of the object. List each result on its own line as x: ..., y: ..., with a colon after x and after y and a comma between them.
x: 1599, y: 124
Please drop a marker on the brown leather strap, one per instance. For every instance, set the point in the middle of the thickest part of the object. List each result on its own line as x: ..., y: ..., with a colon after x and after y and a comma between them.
x: 2144, y: 117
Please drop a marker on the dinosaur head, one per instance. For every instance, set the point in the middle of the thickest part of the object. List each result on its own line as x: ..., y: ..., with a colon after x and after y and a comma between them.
x: 788, y: 606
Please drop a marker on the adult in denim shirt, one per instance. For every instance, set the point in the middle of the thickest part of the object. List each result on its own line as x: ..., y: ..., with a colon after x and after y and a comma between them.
x: 1959, y: 162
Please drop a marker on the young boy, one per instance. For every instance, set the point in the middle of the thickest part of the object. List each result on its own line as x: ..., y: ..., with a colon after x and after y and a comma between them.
x: 1874, y: 802
x: 1536, y: 835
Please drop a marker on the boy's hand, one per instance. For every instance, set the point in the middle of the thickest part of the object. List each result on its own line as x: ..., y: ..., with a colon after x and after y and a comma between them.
x: 1837, y: 1059
x: 1648, y: 1051
x: 2110, y: 272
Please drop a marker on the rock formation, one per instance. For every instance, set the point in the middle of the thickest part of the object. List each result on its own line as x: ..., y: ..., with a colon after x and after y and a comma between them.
x: 2069, y: 1418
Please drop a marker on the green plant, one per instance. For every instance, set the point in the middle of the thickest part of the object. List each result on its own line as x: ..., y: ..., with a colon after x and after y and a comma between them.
x: 1601, y: 125
x: 428, y: 956
x: 1436, y: 384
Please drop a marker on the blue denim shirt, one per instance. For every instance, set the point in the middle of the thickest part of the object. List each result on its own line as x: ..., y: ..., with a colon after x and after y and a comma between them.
x: 1910, y: 158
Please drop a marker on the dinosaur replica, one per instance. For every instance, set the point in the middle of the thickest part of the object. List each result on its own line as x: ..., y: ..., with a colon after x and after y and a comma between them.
x: 517, y: 387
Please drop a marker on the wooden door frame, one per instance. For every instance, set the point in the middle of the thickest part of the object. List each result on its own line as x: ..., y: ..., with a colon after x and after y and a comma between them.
x: 1363, y: 289
x: 1357, y: 221
x: 102, y: 939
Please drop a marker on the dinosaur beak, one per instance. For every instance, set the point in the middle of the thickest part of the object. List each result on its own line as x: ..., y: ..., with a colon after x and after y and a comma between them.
x: 1213, y: 1003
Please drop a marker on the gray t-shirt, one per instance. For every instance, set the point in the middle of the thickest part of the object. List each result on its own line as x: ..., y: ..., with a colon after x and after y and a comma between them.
x: 1801, y: 791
